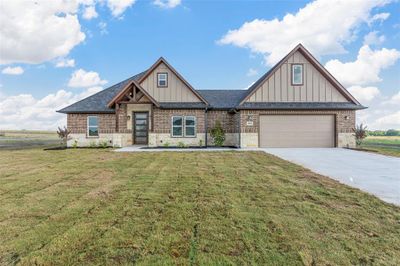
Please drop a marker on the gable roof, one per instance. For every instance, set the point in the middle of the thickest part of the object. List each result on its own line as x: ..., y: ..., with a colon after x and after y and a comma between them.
x: 314, y: 62
x: 97, y: 103
x: 162, y: 60
x: 223, y: 99
x: 126, y: 88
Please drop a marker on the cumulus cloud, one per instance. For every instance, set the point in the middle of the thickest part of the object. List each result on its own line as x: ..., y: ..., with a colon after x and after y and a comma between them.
x: 323, y: 26
x: 103, y: 27
x: 388, y: 121
x: 366, y: 68
x: 38, y: 31
x: 118, y: 7
x: 13, y: 70
x: 373, y: 38
x: 83, y: 79
x: 90, y: 13
x: 24, y: 111
x: 167, y: 3
x: 364, y: 94
x: 395, y: 99
x: 65, y: 62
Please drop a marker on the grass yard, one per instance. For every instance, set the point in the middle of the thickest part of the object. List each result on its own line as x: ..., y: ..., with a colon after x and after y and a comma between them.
x: 387, y: 145
x: 22, y: 139
x: 222, y: 208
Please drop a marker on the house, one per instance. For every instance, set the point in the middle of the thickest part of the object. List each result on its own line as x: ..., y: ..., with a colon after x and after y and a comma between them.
x: 297, y: 103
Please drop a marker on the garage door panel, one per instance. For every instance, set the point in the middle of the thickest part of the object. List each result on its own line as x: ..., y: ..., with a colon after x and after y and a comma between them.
x: 297, y: 131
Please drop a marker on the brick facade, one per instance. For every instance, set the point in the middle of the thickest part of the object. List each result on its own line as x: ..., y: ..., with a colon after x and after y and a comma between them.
x: 162, y: 119
x: 77, y: 123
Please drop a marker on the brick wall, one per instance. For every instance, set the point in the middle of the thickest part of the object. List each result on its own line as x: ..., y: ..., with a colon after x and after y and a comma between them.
x: 77, y: 123
x: 122, y: 119
x: 162, y: 119
x: 228, y: 121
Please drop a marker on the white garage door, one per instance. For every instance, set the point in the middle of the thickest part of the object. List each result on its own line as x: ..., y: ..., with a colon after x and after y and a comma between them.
x: 301, y: 131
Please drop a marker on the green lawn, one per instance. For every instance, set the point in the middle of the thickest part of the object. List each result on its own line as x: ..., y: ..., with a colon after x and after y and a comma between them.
x: 384, y: 145
x: 100, y: 207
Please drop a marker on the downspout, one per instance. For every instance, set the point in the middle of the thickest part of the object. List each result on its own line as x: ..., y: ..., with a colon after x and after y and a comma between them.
x: 239, y: 128
x: 206, y: 126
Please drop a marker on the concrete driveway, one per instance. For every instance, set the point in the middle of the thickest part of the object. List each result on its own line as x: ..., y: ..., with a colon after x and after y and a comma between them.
x: 373, y: 173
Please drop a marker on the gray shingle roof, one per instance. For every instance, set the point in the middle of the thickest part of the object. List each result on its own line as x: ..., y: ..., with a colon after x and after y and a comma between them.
x: 97, y: 103
x: 223, y: 99
x: 302, y: 106
x: 217, y: 99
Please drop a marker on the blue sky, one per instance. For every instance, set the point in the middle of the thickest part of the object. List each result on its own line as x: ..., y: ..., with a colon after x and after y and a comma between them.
x: 213, y: 44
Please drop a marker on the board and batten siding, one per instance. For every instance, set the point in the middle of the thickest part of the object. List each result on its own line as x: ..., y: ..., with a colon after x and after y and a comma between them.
x: 176, y: 91
x: 278, y: 87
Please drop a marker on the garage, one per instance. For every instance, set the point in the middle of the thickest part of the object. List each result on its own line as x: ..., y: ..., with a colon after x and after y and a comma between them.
x: 297, y: 131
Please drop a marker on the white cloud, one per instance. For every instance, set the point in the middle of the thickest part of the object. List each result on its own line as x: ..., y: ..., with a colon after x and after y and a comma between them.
x: 82, y: 79
x: 38, y: 31
x: 103, y: 27
x: 378, y: 17
x: 251, y: 72
x: 366, y: 68
x: 65, y: 62
x: 167, y: 3
x: 364, y: 94
x: 26, y: 112
x: 90, y: 13
x: 13, y: 70
x: 395, y: 99
x: 388, y: 121
x: 118, y: 7
x: 323, y: 26
x: 373, y: 38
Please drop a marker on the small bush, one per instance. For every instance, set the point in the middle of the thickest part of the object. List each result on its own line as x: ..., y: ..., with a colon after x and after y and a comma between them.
x: 181, y: 144
x: 360, y: 132
x: 201, y: 143
x: 166, y: 144
x: 63, y: 134
x: 75, y: 144
x: 103, y: 144
x: 92, y: 144
x: 218, y: 134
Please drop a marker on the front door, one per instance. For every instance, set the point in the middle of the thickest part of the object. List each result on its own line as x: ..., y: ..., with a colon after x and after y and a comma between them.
x: 141, y: 127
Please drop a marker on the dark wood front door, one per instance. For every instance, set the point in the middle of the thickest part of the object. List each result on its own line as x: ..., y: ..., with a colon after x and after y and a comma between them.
x: 141, y: 127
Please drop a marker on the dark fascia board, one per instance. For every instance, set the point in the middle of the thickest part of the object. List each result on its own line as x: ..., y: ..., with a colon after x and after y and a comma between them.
x: 86, y: 112
x: 162, y: 60
x: 314, y: 62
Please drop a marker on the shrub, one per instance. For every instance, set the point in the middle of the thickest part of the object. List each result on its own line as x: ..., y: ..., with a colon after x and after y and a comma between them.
x: 75, y: 144
x: 103, y: 144
x: 201, y: 143
x: 92, y: 144
x: 218, y: 134
x: 181, y: 144
x: 360, y: 132
x: 392, y: 132
x: 63, y: 134
x: 166, y: 144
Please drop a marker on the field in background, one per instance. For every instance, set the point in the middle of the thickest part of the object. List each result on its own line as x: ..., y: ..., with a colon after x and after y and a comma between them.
x: 22, y: 139
x: 84, y: 207
x: 387, y: 145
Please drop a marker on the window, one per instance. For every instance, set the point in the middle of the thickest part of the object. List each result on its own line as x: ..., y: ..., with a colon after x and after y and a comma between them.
x: 92, y: 126
x: 177, y: 126
x: 183, y: 126
x: 190, y: 126
x: 297, y: 74
x: 162, y: 79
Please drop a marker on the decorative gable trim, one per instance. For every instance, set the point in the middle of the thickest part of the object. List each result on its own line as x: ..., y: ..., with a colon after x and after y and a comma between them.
x: 162, y: 60
x: 314, y: 62
x: 126, y: 89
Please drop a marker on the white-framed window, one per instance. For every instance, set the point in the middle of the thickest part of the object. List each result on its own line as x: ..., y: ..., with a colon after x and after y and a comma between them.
x: 297, y: 74
x: 183, y: 126
x: 92, y: 126
x: 190, y: 126
x: 162, y: 79
x: 177, y: 126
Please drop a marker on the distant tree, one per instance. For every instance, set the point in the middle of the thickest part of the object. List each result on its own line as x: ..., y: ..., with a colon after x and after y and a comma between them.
x: 63, y: 134
x: 392, y: 132
x: 360, y: 132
